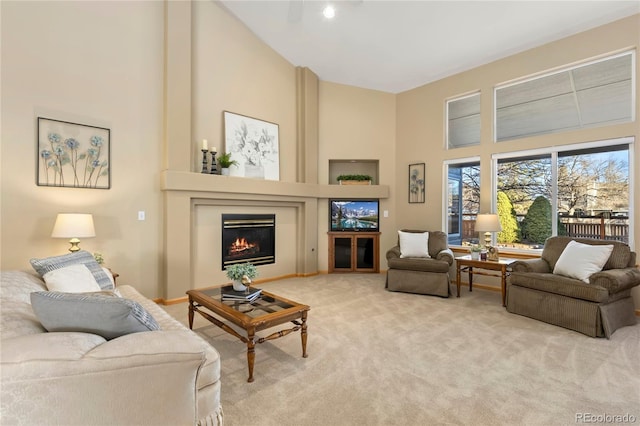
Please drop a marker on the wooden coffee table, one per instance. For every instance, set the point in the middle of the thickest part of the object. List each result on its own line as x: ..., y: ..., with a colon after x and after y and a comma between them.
x: 465, y: 263
x: 267, y: 311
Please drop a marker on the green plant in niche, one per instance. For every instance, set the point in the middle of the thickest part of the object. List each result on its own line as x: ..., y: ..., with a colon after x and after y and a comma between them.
x: 237, y: 271
x: 225, y: 161
x: 354, y: 177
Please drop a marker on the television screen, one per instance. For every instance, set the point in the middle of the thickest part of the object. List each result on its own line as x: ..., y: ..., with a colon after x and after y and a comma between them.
x: 354, y: 215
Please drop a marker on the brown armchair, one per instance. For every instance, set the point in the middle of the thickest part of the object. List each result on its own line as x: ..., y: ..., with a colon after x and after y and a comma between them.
x: 419, y: 274
x: 596, y: 308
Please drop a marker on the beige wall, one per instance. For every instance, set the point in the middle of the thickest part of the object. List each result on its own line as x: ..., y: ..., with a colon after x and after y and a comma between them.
x: 357, y: 124
x: 68, y: 61
x: 235, y: 71
x: 421, y: 115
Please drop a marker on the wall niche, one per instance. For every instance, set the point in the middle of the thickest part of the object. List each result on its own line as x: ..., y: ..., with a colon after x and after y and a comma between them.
x: 353, y: 167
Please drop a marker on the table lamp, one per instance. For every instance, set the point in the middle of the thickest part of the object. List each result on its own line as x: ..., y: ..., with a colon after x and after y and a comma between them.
x: 488, y: 223
x: 74, y: 226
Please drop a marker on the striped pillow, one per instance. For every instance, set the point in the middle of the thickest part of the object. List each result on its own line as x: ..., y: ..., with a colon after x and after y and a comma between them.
x: 101, y: 313
x: 48, y: 264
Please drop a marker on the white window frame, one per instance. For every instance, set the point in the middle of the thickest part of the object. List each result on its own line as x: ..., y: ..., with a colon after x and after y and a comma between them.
x: 446, y: 117
x: 560, y: 70
x: 445, y: 193
x: 553, y: 152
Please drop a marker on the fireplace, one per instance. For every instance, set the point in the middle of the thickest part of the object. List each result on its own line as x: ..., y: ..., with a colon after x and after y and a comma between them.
x: 248, y: 238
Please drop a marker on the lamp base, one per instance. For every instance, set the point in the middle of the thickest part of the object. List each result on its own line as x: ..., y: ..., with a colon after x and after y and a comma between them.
x: 74, y: 245
x: 487, y: 239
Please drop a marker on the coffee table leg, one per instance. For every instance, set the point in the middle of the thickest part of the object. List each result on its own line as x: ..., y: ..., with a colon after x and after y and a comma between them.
x: 191, y: 309
x: 303, y: 334
x: 251, y: 352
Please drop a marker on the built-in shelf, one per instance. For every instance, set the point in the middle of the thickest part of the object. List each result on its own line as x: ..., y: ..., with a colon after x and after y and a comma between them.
x: 353, y: 167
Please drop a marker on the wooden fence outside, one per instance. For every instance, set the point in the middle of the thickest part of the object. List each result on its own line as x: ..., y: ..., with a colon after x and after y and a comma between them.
x: 596, y: 227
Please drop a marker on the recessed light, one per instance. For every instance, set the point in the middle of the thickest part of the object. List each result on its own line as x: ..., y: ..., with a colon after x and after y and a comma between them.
x: 329, y: 12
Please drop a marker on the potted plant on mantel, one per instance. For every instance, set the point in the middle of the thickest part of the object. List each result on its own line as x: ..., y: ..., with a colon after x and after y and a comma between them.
x: 225, y: 161
x: 241, y: 274
x: 354, y: 179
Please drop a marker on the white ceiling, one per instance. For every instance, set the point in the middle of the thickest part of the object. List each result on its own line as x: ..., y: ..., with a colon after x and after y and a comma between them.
x: 395, y: 46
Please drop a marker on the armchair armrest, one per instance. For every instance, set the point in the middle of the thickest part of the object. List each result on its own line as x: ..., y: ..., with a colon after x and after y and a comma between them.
x: 445, y: 255
x: 616, y: 280
x: 393, y: 253
x: 531, y: 265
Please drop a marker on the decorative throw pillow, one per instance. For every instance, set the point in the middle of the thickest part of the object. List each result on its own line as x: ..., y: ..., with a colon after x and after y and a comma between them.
x: 579, y: 260
x: 71, y: 279
x: 47, y: 264
x: 110, y: 276
x: 104, y: 314
x: 414, y: 244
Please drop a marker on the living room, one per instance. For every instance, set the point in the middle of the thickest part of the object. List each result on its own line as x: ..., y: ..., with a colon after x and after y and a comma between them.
x: 161, y: 79
x: 396, y: 129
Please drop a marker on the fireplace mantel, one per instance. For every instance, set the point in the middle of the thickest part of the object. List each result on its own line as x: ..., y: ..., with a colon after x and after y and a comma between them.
x: 205, y: 183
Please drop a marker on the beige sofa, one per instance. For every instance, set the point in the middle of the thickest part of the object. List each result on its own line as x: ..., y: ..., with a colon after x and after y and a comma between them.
x: 166, y: 377
x: 596, y: 308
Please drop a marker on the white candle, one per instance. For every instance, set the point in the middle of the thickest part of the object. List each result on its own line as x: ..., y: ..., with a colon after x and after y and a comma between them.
x: 214, y: 149
x: 204, y: 144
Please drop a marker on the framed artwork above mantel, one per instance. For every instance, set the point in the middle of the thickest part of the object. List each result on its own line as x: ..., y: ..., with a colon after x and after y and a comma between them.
x: 254, y: 145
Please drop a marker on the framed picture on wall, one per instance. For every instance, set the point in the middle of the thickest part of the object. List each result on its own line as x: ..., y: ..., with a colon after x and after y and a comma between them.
x: 73, y: 155
x: 416, y: 183
x: 254, y: 145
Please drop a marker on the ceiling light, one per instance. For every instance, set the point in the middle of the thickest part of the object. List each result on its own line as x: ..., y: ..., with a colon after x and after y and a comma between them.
x: 329, y: 12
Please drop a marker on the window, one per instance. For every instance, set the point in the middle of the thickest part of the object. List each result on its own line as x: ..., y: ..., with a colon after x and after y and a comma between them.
x: 593, y: 94
x: 463, y: 121
x: 580, y: 191
x: 463, y: 201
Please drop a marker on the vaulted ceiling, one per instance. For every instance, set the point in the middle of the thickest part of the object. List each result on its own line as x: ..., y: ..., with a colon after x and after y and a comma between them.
x: 394, y: 46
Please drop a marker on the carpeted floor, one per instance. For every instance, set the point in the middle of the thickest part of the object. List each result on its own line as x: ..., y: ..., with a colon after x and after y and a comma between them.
x: 377, y: 357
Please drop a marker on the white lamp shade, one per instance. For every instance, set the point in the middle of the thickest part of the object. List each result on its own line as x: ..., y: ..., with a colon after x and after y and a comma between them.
x: 73, y: 225
x: 488, y: 223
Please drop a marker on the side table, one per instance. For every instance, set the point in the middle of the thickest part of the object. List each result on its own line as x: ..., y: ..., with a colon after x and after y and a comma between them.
x: 465, y: 263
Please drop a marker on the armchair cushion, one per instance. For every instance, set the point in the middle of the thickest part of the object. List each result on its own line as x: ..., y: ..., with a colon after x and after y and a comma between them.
x: 419, y: 264
x: 414, y: 244
x: 558, y: 284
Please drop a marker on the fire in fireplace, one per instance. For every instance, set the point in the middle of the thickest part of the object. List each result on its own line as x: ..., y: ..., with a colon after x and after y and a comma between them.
x: 248, y: 238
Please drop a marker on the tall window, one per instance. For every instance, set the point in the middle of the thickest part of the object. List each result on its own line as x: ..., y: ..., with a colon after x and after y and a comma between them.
x: 463, y: 121
x: 580, y: 191
x: 463, y: 201
x: 593, y: 94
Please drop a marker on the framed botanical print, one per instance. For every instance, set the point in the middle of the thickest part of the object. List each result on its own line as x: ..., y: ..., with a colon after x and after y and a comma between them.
x: 416, y: 183
x: 73, y: 155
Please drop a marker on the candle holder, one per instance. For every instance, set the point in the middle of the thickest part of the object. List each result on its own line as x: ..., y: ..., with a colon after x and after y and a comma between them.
x: 214, y: 166
x: 205, y: 169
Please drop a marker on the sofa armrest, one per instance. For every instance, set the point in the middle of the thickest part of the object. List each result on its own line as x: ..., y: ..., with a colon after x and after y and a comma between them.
x: 445, y: 255
x: 108, y: 382
x: 531, y: 265
x: 616, y: 280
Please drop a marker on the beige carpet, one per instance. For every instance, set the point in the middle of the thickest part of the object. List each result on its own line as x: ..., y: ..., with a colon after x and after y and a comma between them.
x: 377, y: 357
